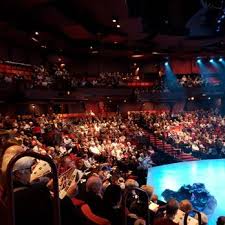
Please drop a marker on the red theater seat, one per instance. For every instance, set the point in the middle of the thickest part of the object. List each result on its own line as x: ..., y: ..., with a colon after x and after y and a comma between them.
x: 92, y: 218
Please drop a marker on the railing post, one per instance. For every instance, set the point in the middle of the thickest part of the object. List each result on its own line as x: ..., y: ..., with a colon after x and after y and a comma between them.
x: 10, y: 192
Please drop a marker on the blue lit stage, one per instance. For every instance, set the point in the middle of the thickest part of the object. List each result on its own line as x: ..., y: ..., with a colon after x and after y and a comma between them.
x: 209, y: 172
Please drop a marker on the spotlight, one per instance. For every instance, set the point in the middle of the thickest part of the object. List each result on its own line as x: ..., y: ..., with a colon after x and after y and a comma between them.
x: 118, y: 26
x: 211, y: 60
x: 222, y: 16
x: 220, y: 59
x: 209, y: 98
x: 36, y: 33
x: 219, y: 21
x: 198, y: 60
x: 166, y: 63
x: 114, y: 20
x: 192, y: 98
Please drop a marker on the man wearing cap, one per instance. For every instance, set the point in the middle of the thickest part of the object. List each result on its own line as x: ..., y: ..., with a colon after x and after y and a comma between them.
x: 33, y: 203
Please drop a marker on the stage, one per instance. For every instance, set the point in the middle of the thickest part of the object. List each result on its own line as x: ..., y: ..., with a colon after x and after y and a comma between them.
x: 211, y: 173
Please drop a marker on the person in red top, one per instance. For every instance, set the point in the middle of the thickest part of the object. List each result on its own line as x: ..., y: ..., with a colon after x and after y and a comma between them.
x: 171, y: 210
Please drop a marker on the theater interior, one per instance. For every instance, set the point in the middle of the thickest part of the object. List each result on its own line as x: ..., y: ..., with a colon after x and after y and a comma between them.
x: 112, y: 112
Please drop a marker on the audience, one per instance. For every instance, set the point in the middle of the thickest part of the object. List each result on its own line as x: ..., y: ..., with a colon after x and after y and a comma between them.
x: 109, y: 157
x: 200, y: 132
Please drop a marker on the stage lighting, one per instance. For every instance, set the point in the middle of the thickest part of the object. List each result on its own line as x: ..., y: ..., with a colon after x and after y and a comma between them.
x: 220, y: 59
x: 166, y: 63
x: 211, y: 60
x: 198, y: 60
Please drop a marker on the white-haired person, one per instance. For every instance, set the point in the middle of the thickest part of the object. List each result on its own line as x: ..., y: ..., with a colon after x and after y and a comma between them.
x: 93, y: 195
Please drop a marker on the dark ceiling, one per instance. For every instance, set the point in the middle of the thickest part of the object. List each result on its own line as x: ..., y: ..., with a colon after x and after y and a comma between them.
x: 85, y: 27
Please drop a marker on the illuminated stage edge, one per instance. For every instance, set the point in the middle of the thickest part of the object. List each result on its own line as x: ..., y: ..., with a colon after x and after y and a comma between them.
x: 209, y: 172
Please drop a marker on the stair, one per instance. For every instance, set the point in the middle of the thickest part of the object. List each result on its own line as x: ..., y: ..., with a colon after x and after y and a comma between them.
x: 169, y: 149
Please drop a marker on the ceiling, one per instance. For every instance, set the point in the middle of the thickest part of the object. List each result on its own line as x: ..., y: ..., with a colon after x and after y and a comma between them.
x: 85, y: 27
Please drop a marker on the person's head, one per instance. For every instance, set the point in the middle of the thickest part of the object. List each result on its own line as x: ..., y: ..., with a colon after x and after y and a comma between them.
x: 131, y: 183
x: 220, y: 220
x: 112, y: 196
x: 154, y: 198
x: 185, y: 206
x: 172, y: 207
x: 21, y: 169
x: 149, y: 189
x: 94, y: 185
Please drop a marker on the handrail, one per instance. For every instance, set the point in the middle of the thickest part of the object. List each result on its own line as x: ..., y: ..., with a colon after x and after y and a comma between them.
x: 10, y: 192
x: 124, y: 203
x: 199, y: 217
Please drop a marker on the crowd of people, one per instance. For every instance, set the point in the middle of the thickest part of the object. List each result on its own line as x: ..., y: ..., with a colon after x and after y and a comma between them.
x: 111, y: 155
x: 199, y: 132
x: 59, y: 77
x: 190, y: 81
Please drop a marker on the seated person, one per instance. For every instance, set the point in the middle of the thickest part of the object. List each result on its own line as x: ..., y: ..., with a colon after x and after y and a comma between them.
x: 36, y: 198
x: 171, y: 210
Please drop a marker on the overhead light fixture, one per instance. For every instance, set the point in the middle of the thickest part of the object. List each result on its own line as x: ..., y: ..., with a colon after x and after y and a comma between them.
x: 137, y: 56
x: 198, y: 60
x: 114, y: 20
x: 211, y: 60
x: 118, y: 25
x: 192, y: 98
x: 36, y: 33
x: 91, y: 47
x: 166, y: 63
x: 34, y: 39
x: 220, y: 59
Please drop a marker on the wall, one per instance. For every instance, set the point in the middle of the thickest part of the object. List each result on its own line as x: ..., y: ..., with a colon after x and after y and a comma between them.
x: 90, y: 64
x: 179, y: 66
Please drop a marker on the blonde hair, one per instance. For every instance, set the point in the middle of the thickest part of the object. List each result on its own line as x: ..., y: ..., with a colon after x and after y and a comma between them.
x: 6, y: 157
x: 149, y: 189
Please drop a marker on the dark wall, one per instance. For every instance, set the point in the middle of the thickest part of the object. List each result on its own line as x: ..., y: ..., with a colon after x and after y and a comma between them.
x: 92, y: 64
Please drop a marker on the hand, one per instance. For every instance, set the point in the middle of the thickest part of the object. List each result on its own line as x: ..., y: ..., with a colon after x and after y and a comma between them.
x: 72, y: 190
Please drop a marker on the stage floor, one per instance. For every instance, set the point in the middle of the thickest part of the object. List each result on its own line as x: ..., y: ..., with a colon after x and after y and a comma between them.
x: 209, y: 172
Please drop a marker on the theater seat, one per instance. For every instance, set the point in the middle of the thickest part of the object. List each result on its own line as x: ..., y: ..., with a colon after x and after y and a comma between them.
x: 77, y: 202
x: 92, y: 218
